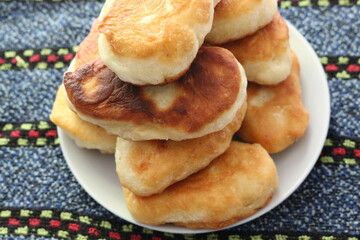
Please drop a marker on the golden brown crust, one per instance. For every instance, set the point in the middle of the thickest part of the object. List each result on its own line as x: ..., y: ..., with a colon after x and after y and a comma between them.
x: 210, y: 87
x: 86, y: 134
x: 222, y: 224
x: 235, y: 19
x: 88, y: 48
x: 232, y: 8
x: 232, y: 187
x: 148, y: 167
x: 89, y: 51
x: 141, y: 29
x: 276, y: 116
x: 266, y: 43
x: 152, y: 42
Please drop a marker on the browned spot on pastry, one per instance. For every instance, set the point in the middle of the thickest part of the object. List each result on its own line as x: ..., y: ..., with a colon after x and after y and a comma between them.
x: 161, y: 144
x: 209, y: 87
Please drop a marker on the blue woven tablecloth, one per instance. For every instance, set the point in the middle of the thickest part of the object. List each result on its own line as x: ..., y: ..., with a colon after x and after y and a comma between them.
x: 40, y: 198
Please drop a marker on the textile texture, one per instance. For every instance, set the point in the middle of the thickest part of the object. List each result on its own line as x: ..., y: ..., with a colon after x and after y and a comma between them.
x: 41, y: 199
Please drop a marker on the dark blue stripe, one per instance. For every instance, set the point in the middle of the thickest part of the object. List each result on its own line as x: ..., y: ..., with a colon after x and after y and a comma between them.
x: 45, y: 25
x: 327, y: 201
x: 28, y: 95
x: 332, y: 31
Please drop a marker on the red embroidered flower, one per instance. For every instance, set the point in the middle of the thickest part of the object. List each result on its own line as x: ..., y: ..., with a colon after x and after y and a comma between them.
x: 94, y: 231
x: 51, y: 133
x: 33, y: 133
x: 114, y: 235
x: 15, y: 133
x: 357, y: 152
x: 13, y: 221
x: 339, y: 151
x: 35, y: 58
x: 331, y: 67
x: 68, y: 57
x: 52, y: 58
x: 353, y: 68
x: 74, y: 226
x: 136, y: 237
x: 55, y: 223
x: 34, y: 222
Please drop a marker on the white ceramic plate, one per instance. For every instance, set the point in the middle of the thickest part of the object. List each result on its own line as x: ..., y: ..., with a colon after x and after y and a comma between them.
x: 96, y: 172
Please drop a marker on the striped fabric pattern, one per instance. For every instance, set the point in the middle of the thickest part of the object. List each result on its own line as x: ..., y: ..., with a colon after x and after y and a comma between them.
x: 41, y: 199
